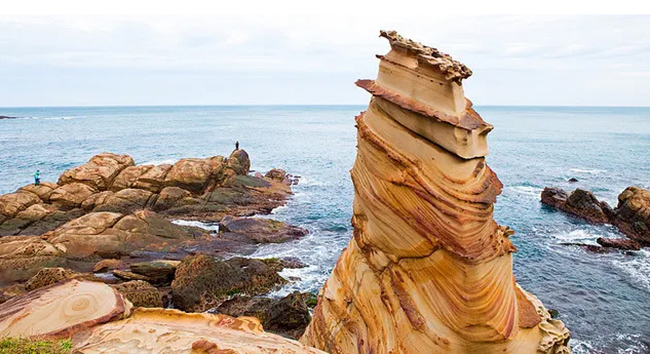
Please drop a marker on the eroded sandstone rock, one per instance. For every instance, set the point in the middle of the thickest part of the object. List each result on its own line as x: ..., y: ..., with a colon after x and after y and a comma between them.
x: 140, y: 293
x: 633, y: 214
x: 428, y: 270
x: 99, y: 172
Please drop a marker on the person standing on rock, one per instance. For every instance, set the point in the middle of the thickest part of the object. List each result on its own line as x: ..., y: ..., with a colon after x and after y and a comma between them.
x: 37, y: 177
x: 237, y: 145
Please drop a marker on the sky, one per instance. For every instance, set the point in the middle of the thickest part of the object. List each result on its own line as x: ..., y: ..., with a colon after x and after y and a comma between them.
x: 83, y: 60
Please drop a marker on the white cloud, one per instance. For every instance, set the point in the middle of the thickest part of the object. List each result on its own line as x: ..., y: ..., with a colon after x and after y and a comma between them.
x: 314, y: 59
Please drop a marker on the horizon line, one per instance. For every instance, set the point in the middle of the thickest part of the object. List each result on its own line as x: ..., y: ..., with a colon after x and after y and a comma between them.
x: 306, y: 104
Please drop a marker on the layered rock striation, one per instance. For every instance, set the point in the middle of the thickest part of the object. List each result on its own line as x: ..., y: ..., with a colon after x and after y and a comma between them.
x: 428, y: 270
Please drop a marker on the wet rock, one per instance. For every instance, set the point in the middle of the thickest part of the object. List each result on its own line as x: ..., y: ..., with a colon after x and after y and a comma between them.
x: 633, y: 214
x: 573, y: 180
x: 288, y: 316
x: 285, y: 262
x: 99, y: 172
x: 126, y: 275
x: 239, y: 162
x: 588, y: 247
x: 619, y: 243
x: 580, y: 203
x: 259, y: 230
x: 48, y: 276
x: 158, y: 271
x: 201, y: 282
x: 71, y: 195
x: 140, y: 293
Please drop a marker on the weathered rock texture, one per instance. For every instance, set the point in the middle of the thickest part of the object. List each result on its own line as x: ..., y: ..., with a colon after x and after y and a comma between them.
x: 428, y: 270
x: 100, y: 320
x: 631, y: 216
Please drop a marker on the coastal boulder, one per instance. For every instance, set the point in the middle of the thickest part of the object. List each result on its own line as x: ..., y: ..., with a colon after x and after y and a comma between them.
x: 48, y: 276
x: 153, y: 179
x: 633, y: 214
x: 201, y: 282
x: 619, y: 243
x: 129, y: 176
x: 99, y: 172
x: 159, y: 271
x: 12, y: 203
x: 239, y: 162
x: 43, y: 190
x: 71, y: 195
x: 580, y: 203
x: 125, y: 201
x: 171, y: 197
x: 194, y: 174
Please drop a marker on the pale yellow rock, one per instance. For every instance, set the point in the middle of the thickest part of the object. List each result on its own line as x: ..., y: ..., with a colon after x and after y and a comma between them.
x: 61, y: 310
x: 428, y: 270
x: 164, y: 331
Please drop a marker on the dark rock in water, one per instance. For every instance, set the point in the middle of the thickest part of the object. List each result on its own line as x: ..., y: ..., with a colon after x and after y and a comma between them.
x: 633, y: 214
x: 122, y: 274
x: 288, y: 316
x: 7, y: 117
x: 201, y: 282
x: 573, y: 180
x: 554, y: 313
x: 619, y: 243
x: 580, y: 203
x: 140, y: 293
x: 259, y: 230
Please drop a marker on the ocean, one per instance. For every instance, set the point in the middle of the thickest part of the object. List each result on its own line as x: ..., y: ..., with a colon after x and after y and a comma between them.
x: 604, y: 299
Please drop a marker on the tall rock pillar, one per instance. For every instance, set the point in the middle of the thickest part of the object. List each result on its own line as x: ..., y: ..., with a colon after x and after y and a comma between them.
x: 428, y: 270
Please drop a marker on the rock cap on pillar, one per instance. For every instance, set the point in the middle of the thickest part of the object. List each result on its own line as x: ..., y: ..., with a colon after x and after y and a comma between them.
x: 422, y: 88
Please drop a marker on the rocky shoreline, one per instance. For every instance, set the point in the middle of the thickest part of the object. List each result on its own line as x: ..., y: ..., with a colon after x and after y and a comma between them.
x: 631, y: 216
x: 115, y: 222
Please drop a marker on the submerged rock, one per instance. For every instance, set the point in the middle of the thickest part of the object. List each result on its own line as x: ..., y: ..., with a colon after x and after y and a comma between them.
x: 428, y: 270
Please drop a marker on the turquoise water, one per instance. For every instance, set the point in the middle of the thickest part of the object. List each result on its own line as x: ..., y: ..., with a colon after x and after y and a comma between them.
x: 603, y: 298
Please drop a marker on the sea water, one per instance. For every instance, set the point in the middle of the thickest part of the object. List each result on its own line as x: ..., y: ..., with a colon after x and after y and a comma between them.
x: 603, y: 298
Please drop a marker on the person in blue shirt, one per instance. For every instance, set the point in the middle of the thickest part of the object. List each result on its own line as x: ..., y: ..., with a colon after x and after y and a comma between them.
x: 37, y: 178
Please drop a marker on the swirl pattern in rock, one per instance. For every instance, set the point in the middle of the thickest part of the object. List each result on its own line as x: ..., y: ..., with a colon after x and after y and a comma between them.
x: 428, y: 270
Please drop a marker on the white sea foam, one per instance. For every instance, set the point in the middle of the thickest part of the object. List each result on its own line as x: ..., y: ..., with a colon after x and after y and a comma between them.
x: 637, y: 267
x: 205, y: 226
x: 57, y: 118
x: 527, y: 190
x: 590, y: 171
x: 308, y: 181
x: 580, y: 235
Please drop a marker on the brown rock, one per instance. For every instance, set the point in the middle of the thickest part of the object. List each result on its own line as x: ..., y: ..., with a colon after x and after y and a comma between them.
x: 140, y: 293
x: 580, y: 203
x: 633, y: 214
x: 129, y: 275
x: 43, y: 190
x: 159, y: 271
x: 619, y: 243
x: 287, y: 316
x: 201, y: 282
x: 96, y: 200
x: 259, y: 230
x: 109, y: 264
x: 153, y: 179
x: 48, y: 276
x: 276, y: 174
x: 193, y: 174
x: 99, y: 172
x: 125, y: 201
x: 36, y: 212
x: 128, y: 177
x: 171, y: 197
x: 71, y: 195
x: 239, y: 162
x: 12, y: 203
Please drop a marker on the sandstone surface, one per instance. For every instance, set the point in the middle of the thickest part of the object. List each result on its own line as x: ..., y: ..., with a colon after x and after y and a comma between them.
x: 427, y: 270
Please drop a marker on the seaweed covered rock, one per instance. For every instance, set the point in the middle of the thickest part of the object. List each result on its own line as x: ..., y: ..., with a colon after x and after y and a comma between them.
x: 202, y: 282
x: 287, y: 316
x: 140, y: 293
